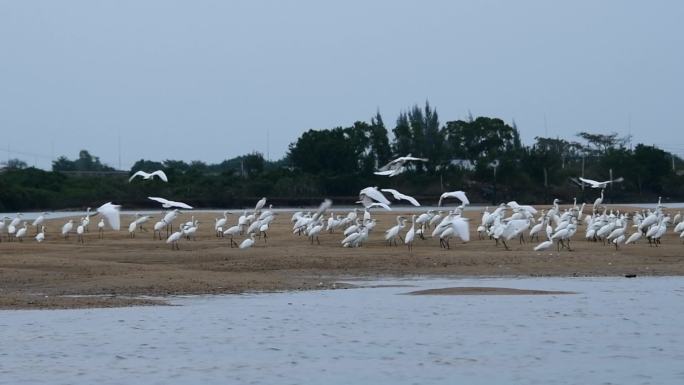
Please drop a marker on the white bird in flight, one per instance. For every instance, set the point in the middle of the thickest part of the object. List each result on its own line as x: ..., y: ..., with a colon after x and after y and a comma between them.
x: 602, y: 185
x: 396, y: 166
x: 150, y: 175
x: 460, y: 195
x: 369, y: 194
x: 168, y: 204
x: 399, y: 196
x: 111, y: 212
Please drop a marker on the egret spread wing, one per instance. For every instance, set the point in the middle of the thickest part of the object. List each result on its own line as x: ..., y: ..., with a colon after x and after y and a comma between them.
x: 399, y: 196
x: 460, y: 195
x: 590, y: 182
x: 384, y: 172
x: 111, y: 212
x: 374, y: 194
x: 378, y: 204
x: 161, y: 174
x: 138, y: 173
x: 460, y: 225
x: 167, y: 203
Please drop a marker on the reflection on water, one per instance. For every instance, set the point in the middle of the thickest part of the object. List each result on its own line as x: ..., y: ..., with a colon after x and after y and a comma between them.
x: 615, y: 331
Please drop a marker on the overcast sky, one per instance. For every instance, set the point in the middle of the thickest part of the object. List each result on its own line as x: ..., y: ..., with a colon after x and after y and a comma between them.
x: 210, y: 80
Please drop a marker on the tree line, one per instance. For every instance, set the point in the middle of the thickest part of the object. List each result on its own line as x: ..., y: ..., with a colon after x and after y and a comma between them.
x: 483, y: 156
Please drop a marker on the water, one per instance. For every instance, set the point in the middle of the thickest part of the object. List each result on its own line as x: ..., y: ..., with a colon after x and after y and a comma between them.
x: 614, y: 331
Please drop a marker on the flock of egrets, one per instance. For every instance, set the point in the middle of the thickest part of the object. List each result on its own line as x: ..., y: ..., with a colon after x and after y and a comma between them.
x: 506, y: 222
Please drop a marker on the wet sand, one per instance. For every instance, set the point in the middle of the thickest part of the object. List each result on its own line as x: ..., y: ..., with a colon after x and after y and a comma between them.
x: 111, y: 270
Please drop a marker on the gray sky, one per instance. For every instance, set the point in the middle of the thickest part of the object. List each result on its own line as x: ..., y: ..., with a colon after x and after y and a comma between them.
x: 207, y: 80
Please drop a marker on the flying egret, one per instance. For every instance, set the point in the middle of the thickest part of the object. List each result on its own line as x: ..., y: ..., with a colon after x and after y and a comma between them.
x: 399, y: 196
x: 369, y: 194
x: 460, y: 195
x: 396, y: 166
x: 111, y: 213
x: 168, y: 203
x: 601, y: 185
x: 147, y: 176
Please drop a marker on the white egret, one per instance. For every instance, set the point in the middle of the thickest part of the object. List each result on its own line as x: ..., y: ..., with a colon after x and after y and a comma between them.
x: 21, y: 233
x: 232, y: 231
x: 100, y: 228
x: 151, y: 175
x: 598, y: 201
x: 174, y: 238
x: 79, y: 233
x: 460, y: 195
x: 111, y: 213
x: 220, y: 222
x: 247, y: 243
x: 39, y: 221
x: 369, y: 194
x: 399, y: 196
x: 168, y: 203
x: 396, y: 166
x: 601, y: 185
x: 40, y: 237
x: 260, y: 204
x: 392, y: 233
x: 66, y: 229
x: 411, y: 234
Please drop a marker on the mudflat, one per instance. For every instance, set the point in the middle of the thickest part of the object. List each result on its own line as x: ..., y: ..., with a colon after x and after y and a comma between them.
x: 117, y: 270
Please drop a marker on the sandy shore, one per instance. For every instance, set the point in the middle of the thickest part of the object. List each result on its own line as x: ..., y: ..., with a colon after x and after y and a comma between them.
x: 111, y: 270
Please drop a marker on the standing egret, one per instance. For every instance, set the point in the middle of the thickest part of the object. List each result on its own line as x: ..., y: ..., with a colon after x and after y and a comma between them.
x: 21, y: 233
x: 100, y: 228
x: 174, y: 238
x: 40, y: 237
x: 410, y: 235
x: 220, y: 222
x: 393, y: 232
x: 232, y: 231
x: 247, y: 243
x: 261, y: 203
x: 598, y: 201
x: 66, y: 229
x: 158, y: 229
x: 79, y: 233
x: 39, y: 221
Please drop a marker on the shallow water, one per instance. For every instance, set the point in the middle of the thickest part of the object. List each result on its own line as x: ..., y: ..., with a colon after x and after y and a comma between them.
x: 614, y: 331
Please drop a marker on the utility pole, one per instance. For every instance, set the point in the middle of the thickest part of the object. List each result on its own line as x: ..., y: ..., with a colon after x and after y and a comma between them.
x: 119, y: 149
x: 546, y: 185
x: 673, y: 163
